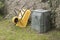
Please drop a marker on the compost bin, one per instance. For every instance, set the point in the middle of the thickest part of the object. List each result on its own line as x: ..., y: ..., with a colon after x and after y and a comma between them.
x: 40, y: 20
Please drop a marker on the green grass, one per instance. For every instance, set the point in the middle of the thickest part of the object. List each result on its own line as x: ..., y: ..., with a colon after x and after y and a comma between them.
x: 8, y: 31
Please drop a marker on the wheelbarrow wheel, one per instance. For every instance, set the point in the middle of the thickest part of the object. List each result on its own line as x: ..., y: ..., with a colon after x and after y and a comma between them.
x: 15, y: 20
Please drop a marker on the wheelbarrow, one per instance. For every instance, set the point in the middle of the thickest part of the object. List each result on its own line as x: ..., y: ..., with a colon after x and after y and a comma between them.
x: 21, y: 19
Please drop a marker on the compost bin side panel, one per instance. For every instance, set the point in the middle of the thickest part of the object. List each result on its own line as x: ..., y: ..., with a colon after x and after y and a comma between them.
x: 35, y: 21
x: 46, y: 21
x: 41, y: 23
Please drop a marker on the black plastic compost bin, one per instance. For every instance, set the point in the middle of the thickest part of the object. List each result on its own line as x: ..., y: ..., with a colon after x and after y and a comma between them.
x: 40, y: 20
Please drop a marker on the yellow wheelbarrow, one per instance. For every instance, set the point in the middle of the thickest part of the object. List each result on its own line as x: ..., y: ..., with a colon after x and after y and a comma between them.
x: 22, y: 19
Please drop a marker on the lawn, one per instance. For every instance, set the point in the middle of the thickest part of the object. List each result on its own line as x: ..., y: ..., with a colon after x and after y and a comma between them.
x: 8, y: 31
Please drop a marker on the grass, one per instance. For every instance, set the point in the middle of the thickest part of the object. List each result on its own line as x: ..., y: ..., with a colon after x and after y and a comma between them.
x: 8, y: 31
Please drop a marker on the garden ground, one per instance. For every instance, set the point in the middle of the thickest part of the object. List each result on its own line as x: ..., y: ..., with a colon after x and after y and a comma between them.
x: 8, y: 31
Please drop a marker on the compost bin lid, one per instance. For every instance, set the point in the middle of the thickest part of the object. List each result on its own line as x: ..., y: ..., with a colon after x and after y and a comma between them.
x: 40, y: 10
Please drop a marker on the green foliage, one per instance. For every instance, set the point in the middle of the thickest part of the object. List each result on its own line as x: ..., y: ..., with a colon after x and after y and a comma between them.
x: 0, y: 17
x: 54, y: 4
x: 1, y: 7
x: 1, y: 4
